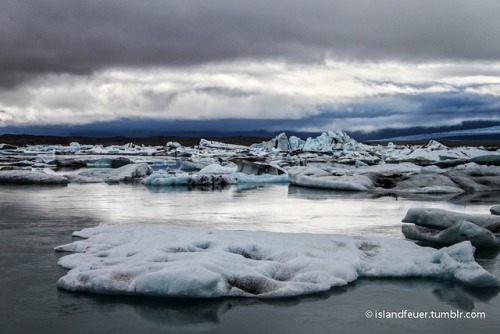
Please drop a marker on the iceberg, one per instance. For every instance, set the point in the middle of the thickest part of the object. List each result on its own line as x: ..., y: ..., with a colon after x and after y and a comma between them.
x: 108, y: 162
x: 405, y: 178
x: 327, y: 142
x: 213, y: 175
x: 319, y: 178
x: 221, y: 146
x: 257, y: 168
x: 495, y: 210
x: 329, y: 147
x: 186, y: 262
x: 126, y: 173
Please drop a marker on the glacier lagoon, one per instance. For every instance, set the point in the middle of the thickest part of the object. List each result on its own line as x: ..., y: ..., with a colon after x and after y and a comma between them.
x: 35, y: 219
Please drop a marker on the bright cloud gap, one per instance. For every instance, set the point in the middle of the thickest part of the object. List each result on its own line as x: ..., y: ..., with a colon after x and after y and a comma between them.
x: 356, y: 96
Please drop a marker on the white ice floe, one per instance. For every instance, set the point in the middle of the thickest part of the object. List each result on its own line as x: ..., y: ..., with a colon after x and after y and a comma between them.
x: 126, y: 173
x: 196, y: 163
x: 127, y: 149
x: 222, y: 146
x: 30, y: 177
x: 218, y: 169
x: 158, y: 260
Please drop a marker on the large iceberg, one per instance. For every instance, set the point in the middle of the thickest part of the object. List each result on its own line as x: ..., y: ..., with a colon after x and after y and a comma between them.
x: 327, y: 142
x: 159, y: 260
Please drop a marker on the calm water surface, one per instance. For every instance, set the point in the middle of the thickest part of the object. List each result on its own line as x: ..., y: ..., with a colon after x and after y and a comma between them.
x: 33, y: 220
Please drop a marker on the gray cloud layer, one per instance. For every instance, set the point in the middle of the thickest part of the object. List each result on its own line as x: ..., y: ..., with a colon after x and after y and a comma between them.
x: 79, y: 37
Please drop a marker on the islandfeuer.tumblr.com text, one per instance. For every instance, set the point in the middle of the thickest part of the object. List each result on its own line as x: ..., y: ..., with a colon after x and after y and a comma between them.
x: 407, y: 314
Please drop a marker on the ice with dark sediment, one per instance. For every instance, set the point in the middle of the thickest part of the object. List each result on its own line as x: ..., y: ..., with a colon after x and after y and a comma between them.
x: 447, y: 227
x: 440, y: 219
x: 256, y: 167
x: 400, y: 178
x: 338, y: 180
x: 108, y: 162
x: 161, y: 260
x: 458, y: 232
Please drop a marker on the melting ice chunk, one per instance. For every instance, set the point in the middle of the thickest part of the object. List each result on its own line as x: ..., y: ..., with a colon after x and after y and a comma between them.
x: 160, y: 260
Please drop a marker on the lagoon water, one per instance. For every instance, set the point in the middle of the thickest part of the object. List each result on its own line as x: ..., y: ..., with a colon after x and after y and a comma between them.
x: 35, y: 219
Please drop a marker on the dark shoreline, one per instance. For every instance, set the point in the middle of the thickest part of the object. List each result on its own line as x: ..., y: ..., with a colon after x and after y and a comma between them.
x: 19, y: 140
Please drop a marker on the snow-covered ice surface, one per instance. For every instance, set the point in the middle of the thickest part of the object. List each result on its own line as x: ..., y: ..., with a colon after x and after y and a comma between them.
x: 157, y: 260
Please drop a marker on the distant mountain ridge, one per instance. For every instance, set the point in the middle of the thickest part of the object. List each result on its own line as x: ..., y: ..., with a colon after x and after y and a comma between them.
x: 141, y: 128
x: 469, y: 129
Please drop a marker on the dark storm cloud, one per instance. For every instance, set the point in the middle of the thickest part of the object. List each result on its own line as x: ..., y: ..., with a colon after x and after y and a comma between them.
x: 74, y: 36
x: 457, y: 104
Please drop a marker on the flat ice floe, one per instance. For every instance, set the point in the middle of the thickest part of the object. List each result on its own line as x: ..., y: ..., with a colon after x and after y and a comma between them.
x: 30, y: 177
x: 158, y: 260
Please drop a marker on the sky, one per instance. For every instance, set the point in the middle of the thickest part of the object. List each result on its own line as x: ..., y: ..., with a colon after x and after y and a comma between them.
x: 357, y: 65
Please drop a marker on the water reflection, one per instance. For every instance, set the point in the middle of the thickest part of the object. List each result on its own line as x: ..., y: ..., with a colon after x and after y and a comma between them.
x: 464, y: 298
x: 254, y: 207
x: 485, y: 198
x: 480, y: 198
x: 325, y: 194
x: 34, y: 219
x: 182, y: 188
x: 195, y: 315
